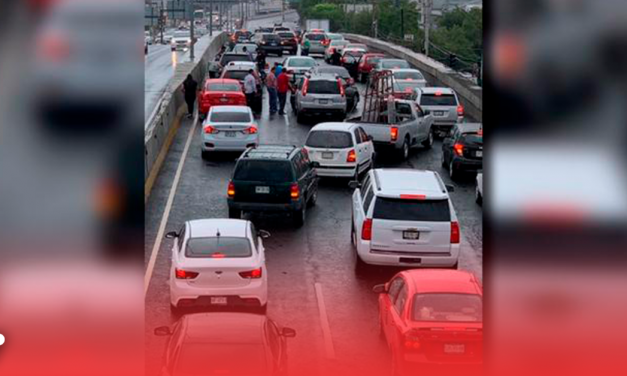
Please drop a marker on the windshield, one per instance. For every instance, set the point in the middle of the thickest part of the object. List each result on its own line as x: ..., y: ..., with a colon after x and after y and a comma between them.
x: 271, y: 37
x: 412, y: 210
x: 391, y: 64
x: 406, y: 87
x: 354, y: 54
x: 286, y: 35
x: 408, y: 75
x: 249, y: 48
x: 323, y: 87
x: 316, y: 36
x: 374, y: 59
x: 182, y: 34
x: 223, y: 87
x: 228, y: 58
x: 230, y: 117
x: 218, y: 247
x: 329, y: 140
x: 301, y: 63
x: 447, y: 307
x: 335, y: 36
x: 221, y: 359
x: 342, y: 43
x: 438, y: 100
x: 274, y: 171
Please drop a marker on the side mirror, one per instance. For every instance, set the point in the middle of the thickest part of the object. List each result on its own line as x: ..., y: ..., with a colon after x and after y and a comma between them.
x: 379, y: 289
x: 354, y: 184
x: 263, y: 234
x: 163, y: 331
x: 449, y: 188
x: 171, y: 235
x: 315, y: 164
x: 370, y: 138
x: 288, y: 333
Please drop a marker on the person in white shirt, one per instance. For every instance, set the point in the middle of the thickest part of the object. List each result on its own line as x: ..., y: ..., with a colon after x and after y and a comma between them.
x: 250, y: 88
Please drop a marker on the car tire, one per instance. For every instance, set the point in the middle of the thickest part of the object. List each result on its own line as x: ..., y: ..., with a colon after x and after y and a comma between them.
x: 300, y: 118
x: 428, y: 143
x: 280, y: 54
x: 353, y: 234
x: 403, y: 153
x: 314, y: 198
x: 235, y: 213
x: 204, y: 155
x: 478, y: 197
x: 299, y: 216
x: 453, y: 172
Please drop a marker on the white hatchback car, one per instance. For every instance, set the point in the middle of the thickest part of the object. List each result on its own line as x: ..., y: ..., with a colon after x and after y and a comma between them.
x: 404, y: 217
x: 229, y: 128
x: 341, y: 149
x: 218, y: 262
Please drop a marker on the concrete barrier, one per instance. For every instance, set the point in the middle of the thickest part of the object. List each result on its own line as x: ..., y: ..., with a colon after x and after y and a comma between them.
x: 163, y: 126
x: 436, y: 73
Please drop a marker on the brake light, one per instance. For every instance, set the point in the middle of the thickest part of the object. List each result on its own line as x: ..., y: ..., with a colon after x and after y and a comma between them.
x: 352, y: 156
x: 438, y: 93
x: 252, y: 274
x: 394, y: 133
x: 294, y: 191
x: 413, y: 197
x: 454, y: 233
x: 411, y: 342
x: 184, y: 274
x: 460, y: 110
x: 344, y: 59
x: 458, y: 149
x: 342, y: 91
x: 305, y: 87
x: 210, y: 129
x: 218, y: 255
x: 250, y: 130
x: 366, y: 229
x: 54, y: 47
x: 231, y: 190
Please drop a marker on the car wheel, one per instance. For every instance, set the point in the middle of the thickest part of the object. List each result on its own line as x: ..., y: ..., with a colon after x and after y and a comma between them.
x: 452, y: 171
x: 300, y: 118
x: 428, y: 143
x: 280, y: 54
x: 314, y: 198
x: 404, y: 152
x: 371, y: 167
x: 478, y: 197
x: 235, y: 213
x: 299, y: 216
x: 353, y: 234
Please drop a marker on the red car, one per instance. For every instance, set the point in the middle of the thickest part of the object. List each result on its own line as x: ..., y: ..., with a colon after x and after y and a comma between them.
x: 366, y: 64
x: 220, y: 92
x: 432, y: 320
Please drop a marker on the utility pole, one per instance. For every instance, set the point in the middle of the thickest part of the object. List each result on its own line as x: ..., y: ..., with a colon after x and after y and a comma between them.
x: 210, y: 18
x: 192, y: 27
x: 283, y: 10
x: 426, y: 14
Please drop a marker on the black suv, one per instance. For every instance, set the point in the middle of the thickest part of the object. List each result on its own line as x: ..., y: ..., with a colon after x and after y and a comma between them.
x: 270, y: 44
x: 462, y: 149
x: 273, y: 178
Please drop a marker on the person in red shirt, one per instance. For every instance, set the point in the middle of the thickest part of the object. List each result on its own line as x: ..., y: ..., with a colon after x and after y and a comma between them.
x: 283, y: 86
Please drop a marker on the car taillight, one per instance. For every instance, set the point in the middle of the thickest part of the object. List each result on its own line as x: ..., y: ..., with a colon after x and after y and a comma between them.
x: 366, y: 229
x: 184, y: 274
x: 252, y: 274
x: 352, y: 156
x: 454, y: 233
x: 344, y: 59
x: 294, y: 191
x: 411, y: 342
x: 394, y: 133
x: 460, y: 110
x: 459, y: 149
x: 250, y: 130
x: 210, y: 129
x: 342, y: 91
x: 53, y: 47
x: 231, y: 190
x: 305, y: 87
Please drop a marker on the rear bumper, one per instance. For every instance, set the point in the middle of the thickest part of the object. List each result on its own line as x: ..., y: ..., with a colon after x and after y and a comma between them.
x: 264, y: 207
x: 419, y: 363
x: 220, y: 144
x: 253, y: 294
x: 313, y: 111
x: 414, y: 259
x: 466, y: 164
x: 317, y: 49
x: 336, y: 171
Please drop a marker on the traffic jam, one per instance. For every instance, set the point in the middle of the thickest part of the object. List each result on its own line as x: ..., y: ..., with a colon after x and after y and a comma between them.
x: 329, y: 208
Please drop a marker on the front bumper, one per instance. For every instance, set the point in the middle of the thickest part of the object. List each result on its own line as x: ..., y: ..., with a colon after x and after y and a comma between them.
x: 253, y: 294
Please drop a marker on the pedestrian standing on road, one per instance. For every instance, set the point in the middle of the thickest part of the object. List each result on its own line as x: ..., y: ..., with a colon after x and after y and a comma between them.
x: 279, y: 69
x: 250, y: 88
x: 336, y: 57
x: 305, y: 50
x: 250, y: 55
x: 283, y: 86
x: 190, y: 89
x: 271, y: 85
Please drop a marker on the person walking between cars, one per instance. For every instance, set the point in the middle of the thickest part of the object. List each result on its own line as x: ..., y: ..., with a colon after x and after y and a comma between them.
x: 250, y: 88
x: 336, y: 57
x: 271, y: 85
x: 305, y: 50
x: 190, y: 88
x: 283, y: 86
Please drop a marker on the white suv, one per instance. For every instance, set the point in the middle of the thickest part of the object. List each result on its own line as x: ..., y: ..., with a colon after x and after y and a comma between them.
x: 404, y: 217
x: 218, y: 262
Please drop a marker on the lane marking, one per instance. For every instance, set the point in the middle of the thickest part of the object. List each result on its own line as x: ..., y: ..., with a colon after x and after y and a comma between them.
x: 168, y: 208
x: 324, y: 322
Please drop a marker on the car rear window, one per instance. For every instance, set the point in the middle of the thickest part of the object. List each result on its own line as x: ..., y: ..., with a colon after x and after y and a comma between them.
x: 340, y: 42
x: 329, y: 139
x: 412, y: 210
x: 301, y: 63
x: 447, y: 308
x: 316, y: 36
x: 228, y: 58
x: 286, y: 35
x: 221, y: 359
x: 335, y: 36
x: 472, y: 138
x: 438, y: 100
x: 408, y: 76
x: 323, y: 87
x: 272, y: 171
x: 340, y: 71
x: 374, y: 59
x: 235, y: 74
x: 406, y: 87
x: 223, y: 87
x: 395, y: 64
x: 218, y: 246
x: 271, y: 37
x: 230, y: 117
x: 355, y: 53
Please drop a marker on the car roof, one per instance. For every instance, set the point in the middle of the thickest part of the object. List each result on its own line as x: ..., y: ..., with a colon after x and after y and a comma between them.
x: 353, y: 49
x: 200, y: 228
x: 469, y: 127
x: 393, y: 182
x: 405, y: 70
x: 270, y: 152
x: 331, y: 69
x: 434, y: 90
x: 299, y: 57
x: 333, y: 126
x: 442, y: 280
x: 235, y: 65
x: 225, y: 327
x: 327, y: 76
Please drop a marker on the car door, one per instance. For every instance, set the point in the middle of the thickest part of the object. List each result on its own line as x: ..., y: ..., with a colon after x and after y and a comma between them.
x: 277, y: 346
x: 309, y: 173
x: 396, y: 323
x: 173, y: 348
x: 362, y: 209
x: 359, y: 150
x: 368, y: 146
x: 358, y: 198
x: 386, y: 304
x: 447, y: 145
x: 422, y: 131
x: 178, y: 245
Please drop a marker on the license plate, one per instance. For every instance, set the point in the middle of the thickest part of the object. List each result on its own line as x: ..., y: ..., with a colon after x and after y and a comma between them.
x: 438, y: 113
x: 411, y: 235
x: 224, y: 100
x: 454, y: 349
x: 229, y: 134
x: 218, y: 300
x: 479, y: 153
x: 323, y: 101
x: 262, y: 190
x: 327, y: 155
x: 273, y: 44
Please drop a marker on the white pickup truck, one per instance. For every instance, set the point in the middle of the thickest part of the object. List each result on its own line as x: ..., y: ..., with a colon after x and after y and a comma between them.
x: 400, y: 127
